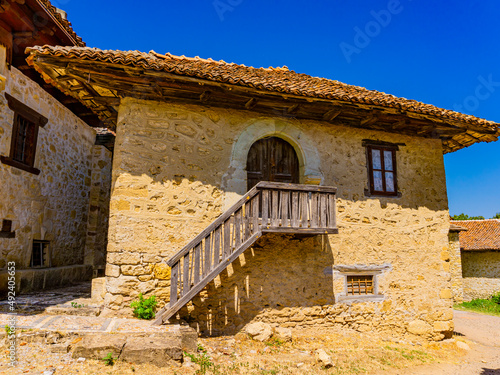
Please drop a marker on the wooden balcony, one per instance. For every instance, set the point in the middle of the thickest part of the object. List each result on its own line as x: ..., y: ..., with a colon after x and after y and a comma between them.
x: 269, y: 207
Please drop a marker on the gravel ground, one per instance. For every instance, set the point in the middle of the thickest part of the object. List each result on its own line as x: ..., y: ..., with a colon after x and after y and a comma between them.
x: 483, y: 335
x: 351, y: 352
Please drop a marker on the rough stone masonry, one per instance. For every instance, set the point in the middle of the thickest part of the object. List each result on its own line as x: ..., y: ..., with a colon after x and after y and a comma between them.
x: 177, y: 167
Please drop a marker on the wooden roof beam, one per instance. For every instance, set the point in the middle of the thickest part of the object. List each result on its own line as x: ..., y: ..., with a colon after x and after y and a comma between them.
x: 331, y: 114
x: 205, y: 96
x: 106, y: 100
x: 292, y: 109
x: 23, y: 34
x: 251, y: 103
x: 402, y: 123
x: 23, y: 15
x: 369, y: 120
x: 69, y: 100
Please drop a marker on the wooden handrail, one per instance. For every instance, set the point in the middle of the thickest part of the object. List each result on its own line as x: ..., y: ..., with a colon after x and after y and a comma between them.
x: 296, y: 187
x: 250, y: 194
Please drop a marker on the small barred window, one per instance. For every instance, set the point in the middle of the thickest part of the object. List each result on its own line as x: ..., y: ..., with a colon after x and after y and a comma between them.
x: 40, y: 256
x: 359, y: 285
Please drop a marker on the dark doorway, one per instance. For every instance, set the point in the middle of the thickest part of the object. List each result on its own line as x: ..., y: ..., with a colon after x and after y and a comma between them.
x: 272, y: 159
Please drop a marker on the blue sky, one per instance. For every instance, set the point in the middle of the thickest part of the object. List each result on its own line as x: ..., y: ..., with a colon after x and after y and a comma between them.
x: 446, y: 53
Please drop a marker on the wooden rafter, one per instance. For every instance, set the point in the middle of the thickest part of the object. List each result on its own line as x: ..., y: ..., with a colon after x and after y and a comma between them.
x: 251, y: 103
x: 331, y: 114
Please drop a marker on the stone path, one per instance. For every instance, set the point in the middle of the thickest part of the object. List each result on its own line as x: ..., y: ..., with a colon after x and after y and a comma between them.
x: 67, y: 320
x: 38, y: 302
x: 39, y: 311
x: 82, y: 324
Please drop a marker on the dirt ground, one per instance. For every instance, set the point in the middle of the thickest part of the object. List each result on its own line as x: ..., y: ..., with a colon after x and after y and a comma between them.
x: 351, y: 353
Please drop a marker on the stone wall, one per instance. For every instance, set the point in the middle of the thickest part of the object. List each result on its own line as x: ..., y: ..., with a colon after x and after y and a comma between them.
x: 481, y: 274
x: 457, y: 286
x: 98, y: 215
x: 53, y: 205
x: 176, y: 168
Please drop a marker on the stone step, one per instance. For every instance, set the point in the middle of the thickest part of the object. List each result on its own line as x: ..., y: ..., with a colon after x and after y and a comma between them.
x: 160, y: 348
x: 93, y: 337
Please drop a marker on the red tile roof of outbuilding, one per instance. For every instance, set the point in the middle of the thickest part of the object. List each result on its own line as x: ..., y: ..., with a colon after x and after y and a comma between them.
x: 480, y: 234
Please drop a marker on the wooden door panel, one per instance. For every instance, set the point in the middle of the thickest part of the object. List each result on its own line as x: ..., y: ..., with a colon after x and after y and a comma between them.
x: 272, y: 159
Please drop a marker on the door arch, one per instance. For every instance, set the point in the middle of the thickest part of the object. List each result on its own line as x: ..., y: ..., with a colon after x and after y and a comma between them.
x: 272, y: 159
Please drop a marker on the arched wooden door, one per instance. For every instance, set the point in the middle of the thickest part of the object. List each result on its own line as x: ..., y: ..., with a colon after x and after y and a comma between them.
x: 272, y: 159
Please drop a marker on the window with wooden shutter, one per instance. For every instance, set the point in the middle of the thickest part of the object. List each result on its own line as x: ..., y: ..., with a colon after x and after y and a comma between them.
x: 24, y: 136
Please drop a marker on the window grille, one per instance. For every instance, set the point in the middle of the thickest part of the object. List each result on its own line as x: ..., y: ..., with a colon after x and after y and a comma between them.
x: 40, y: 254
x: 359, y: 285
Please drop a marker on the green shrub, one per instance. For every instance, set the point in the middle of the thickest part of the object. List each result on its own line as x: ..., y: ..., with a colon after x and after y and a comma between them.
x: 144, y: 308
x: 496, y: 298
x: 109, y: 360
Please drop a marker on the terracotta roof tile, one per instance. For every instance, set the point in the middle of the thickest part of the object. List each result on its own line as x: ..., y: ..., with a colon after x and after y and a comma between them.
x: 280, y: 80
x: 63, y: 22
x: 480, y: 234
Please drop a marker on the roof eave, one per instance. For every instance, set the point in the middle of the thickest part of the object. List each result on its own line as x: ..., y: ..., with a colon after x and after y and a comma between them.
x: 158, y: 84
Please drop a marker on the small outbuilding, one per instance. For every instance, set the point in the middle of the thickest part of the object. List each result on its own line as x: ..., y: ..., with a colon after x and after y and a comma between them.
x: 480, y: 257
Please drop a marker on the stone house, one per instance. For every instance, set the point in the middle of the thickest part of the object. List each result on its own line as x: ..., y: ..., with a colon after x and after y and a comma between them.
x: 54, y: 175
x: 242, y: 194
x: 477, y: 244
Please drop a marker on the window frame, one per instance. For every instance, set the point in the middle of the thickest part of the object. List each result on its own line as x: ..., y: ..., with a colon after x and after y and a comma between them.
x: 33, y: 119
x: 345, y: 271
x: 381, y: 146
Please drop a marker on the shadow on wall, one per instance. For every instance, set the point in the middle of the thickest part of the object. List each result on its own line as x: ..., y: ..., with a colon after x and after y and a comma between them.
x: 276, y: 275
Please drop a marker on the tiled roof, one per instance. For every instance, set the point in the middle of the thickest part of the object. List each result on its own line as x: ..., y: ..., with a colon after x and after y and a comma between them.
x: 480, y: 234
x: 63, y: 22
x: 281, y: 80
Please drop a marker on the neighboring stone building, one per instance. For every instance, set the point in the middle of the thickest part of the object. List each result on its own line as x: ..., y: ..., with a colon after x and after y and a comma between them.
x: 355, y: 235
x: 54, y: 177
x: 479, y: 250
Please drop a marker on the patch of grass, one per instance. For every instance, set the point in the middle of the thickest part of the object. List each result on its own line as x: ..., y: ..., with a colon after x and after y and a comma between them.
x: 202, y: 359
x: 484, y: 306
x: 274, y: 341
x: 9, y: 330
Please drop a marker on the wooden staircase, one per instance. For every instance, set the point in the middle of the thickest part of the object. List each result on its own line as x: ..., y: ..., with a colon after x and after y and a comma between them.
x: 269, y: 207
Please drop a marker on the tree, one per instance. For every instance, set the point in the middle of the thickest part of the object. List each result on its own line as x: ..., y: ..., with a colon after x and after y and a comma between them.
x: 497, y: 216
x: 463, y: 216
